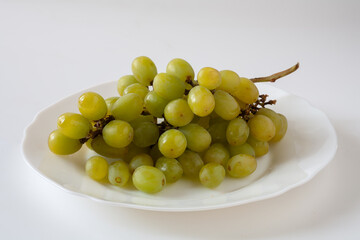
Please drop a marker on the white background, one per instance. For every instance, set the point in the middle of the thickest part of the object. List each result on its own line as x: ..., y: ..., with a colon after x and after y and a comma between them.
x: 51, y: 49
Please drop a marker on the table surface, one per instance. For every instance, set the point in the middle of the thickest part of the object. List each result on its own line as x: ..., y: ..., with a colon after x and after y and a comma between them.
x: 51, y: 49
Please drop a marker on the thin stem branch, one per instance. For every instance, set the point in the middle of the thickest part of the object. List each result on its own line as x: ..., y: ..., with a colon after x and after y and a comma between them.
x: 274, y: 77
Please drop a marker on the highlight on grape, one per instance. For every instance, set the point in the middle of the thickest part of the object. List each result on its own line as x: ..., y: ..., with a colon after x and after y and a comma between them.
x: 165, y: 126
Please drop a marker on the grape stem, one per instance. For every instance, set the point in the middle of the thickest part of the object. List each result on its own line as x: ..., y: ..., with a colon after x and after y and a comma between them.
x: 251, y: 109
x: 276, y: 76
x: 98, y: 127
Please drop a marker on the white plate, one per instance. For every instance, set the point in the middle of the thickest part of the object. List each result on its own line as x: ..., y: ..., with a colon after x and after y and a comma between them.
x: 308, y: 146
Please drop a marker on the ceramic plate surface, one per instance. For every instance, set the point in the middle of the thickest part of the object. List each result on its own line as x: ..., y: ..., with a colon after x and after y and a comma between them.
x: 308, y: 147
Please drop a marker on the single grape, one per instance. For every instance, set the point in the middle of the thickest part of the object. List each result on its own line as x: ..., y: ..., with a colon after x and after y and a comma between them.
x: 171, y: 168
x: 198, y: 138
x: 119, y: 173
x: 260, y: 147
x: 168, y: 86
x: 92, y: 106
x: 137, y: 88
x: 73, y: 125
x: 144, y: 70
x: 155, y: 104
x: 237, y: 132
x: 246, y: 91
x: 201, y: 101
x: 118, y: 134
x: 140, y: 160
x: 127, y: 107
x: 125, y: 81
x: 229, y: 81
x: 178, y: 113
x: 96, y: 167
x: 241, y: 149
x: 109, y: 102
x: 181, y: 69
x: 212, y: 174
x: 217, y: 153
x: 217, y: 131
x: 145, y: 134
x: 191, y: 163
x: 225, y: 105
x: 88, y: 144
x: 209, y: 77
x: 262, y: 128
x: 241, y: 165
x: 62, y: 145
x: 148, y: 179
x: 100, y: 147
x: 172, y: 143
x: 280, y: 131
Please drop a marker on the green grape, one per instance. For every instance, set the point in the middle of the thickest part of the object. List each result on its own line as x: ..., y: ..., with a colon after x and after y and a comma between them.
x: 246, y: 91
x: 155, y: 152
x: 261, y: 148
x: 241, y: 165
x: 140, y: 160
x: 280, y: 131
x: 62, y: 145
x: 145, y: 134
x: 198, y: 138
x: 125, y: 81
x: 242, y: 149
x: 96, y: 167
x: 237, y: 132
x: 225, y: 105
x: 119, y: 173
x: 217, y: 153
x: 88, y: 144
x: 148, y: 179
x: 92, y: 106
x: 172, y: 143
x: 209, y: 77
x: 155, y: 104
x: 168, y: 86
x: 141, y: 119
x: 144, y: 70
x: 73, y: 125
x: 217, y: 131
x: 178, y: 113
x: 202, y: 121
x: 229, y: 81
x: 137, y: 88
x: 100, y: 147
x: 212, y: 174
x: 181, y: 69
x: 118, y: 134
x: 241, y: 88
x: 201, y: 101
x: 171, y: 168
x: 134, y: 150
x: 127, y: 107
x: 109, y: 102
x: 262, y: 128
x: 191, y: 163
x: 279, y: 123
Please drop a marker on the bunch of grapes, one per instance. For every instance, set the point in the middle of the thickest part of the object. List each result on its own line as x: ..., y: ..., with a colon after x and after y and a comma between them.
x: 163, y: 126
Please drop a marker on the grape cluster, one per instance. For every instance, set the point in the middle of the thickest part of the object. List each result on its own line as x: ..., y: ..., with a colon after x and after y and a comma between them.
x: 163, y: 126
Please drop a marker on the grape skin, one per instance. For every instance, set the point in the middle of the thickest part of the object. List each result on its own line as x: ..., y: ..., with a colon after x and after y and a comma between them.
x: 125, y: 81
x: 148, y: 179
x: 92, y: 106
x: 119, y: 173
x: 178, y: 113
x: 181, y: 69
x: 144, y: 70
x: 171, y: 168
x: 62, y: 145
x: 241, y: 165
x: 201, y: 101
x: 212, y: 175
x: 74, y: 125
x: 118, y: 134
x: 198, y: 138
x: 172, y: 143
x: 96, y: 167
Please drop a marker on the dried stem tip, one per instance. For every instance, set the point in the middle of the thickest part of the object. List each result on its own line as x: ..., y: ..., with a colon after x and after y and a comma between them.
x: 274, y: 77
